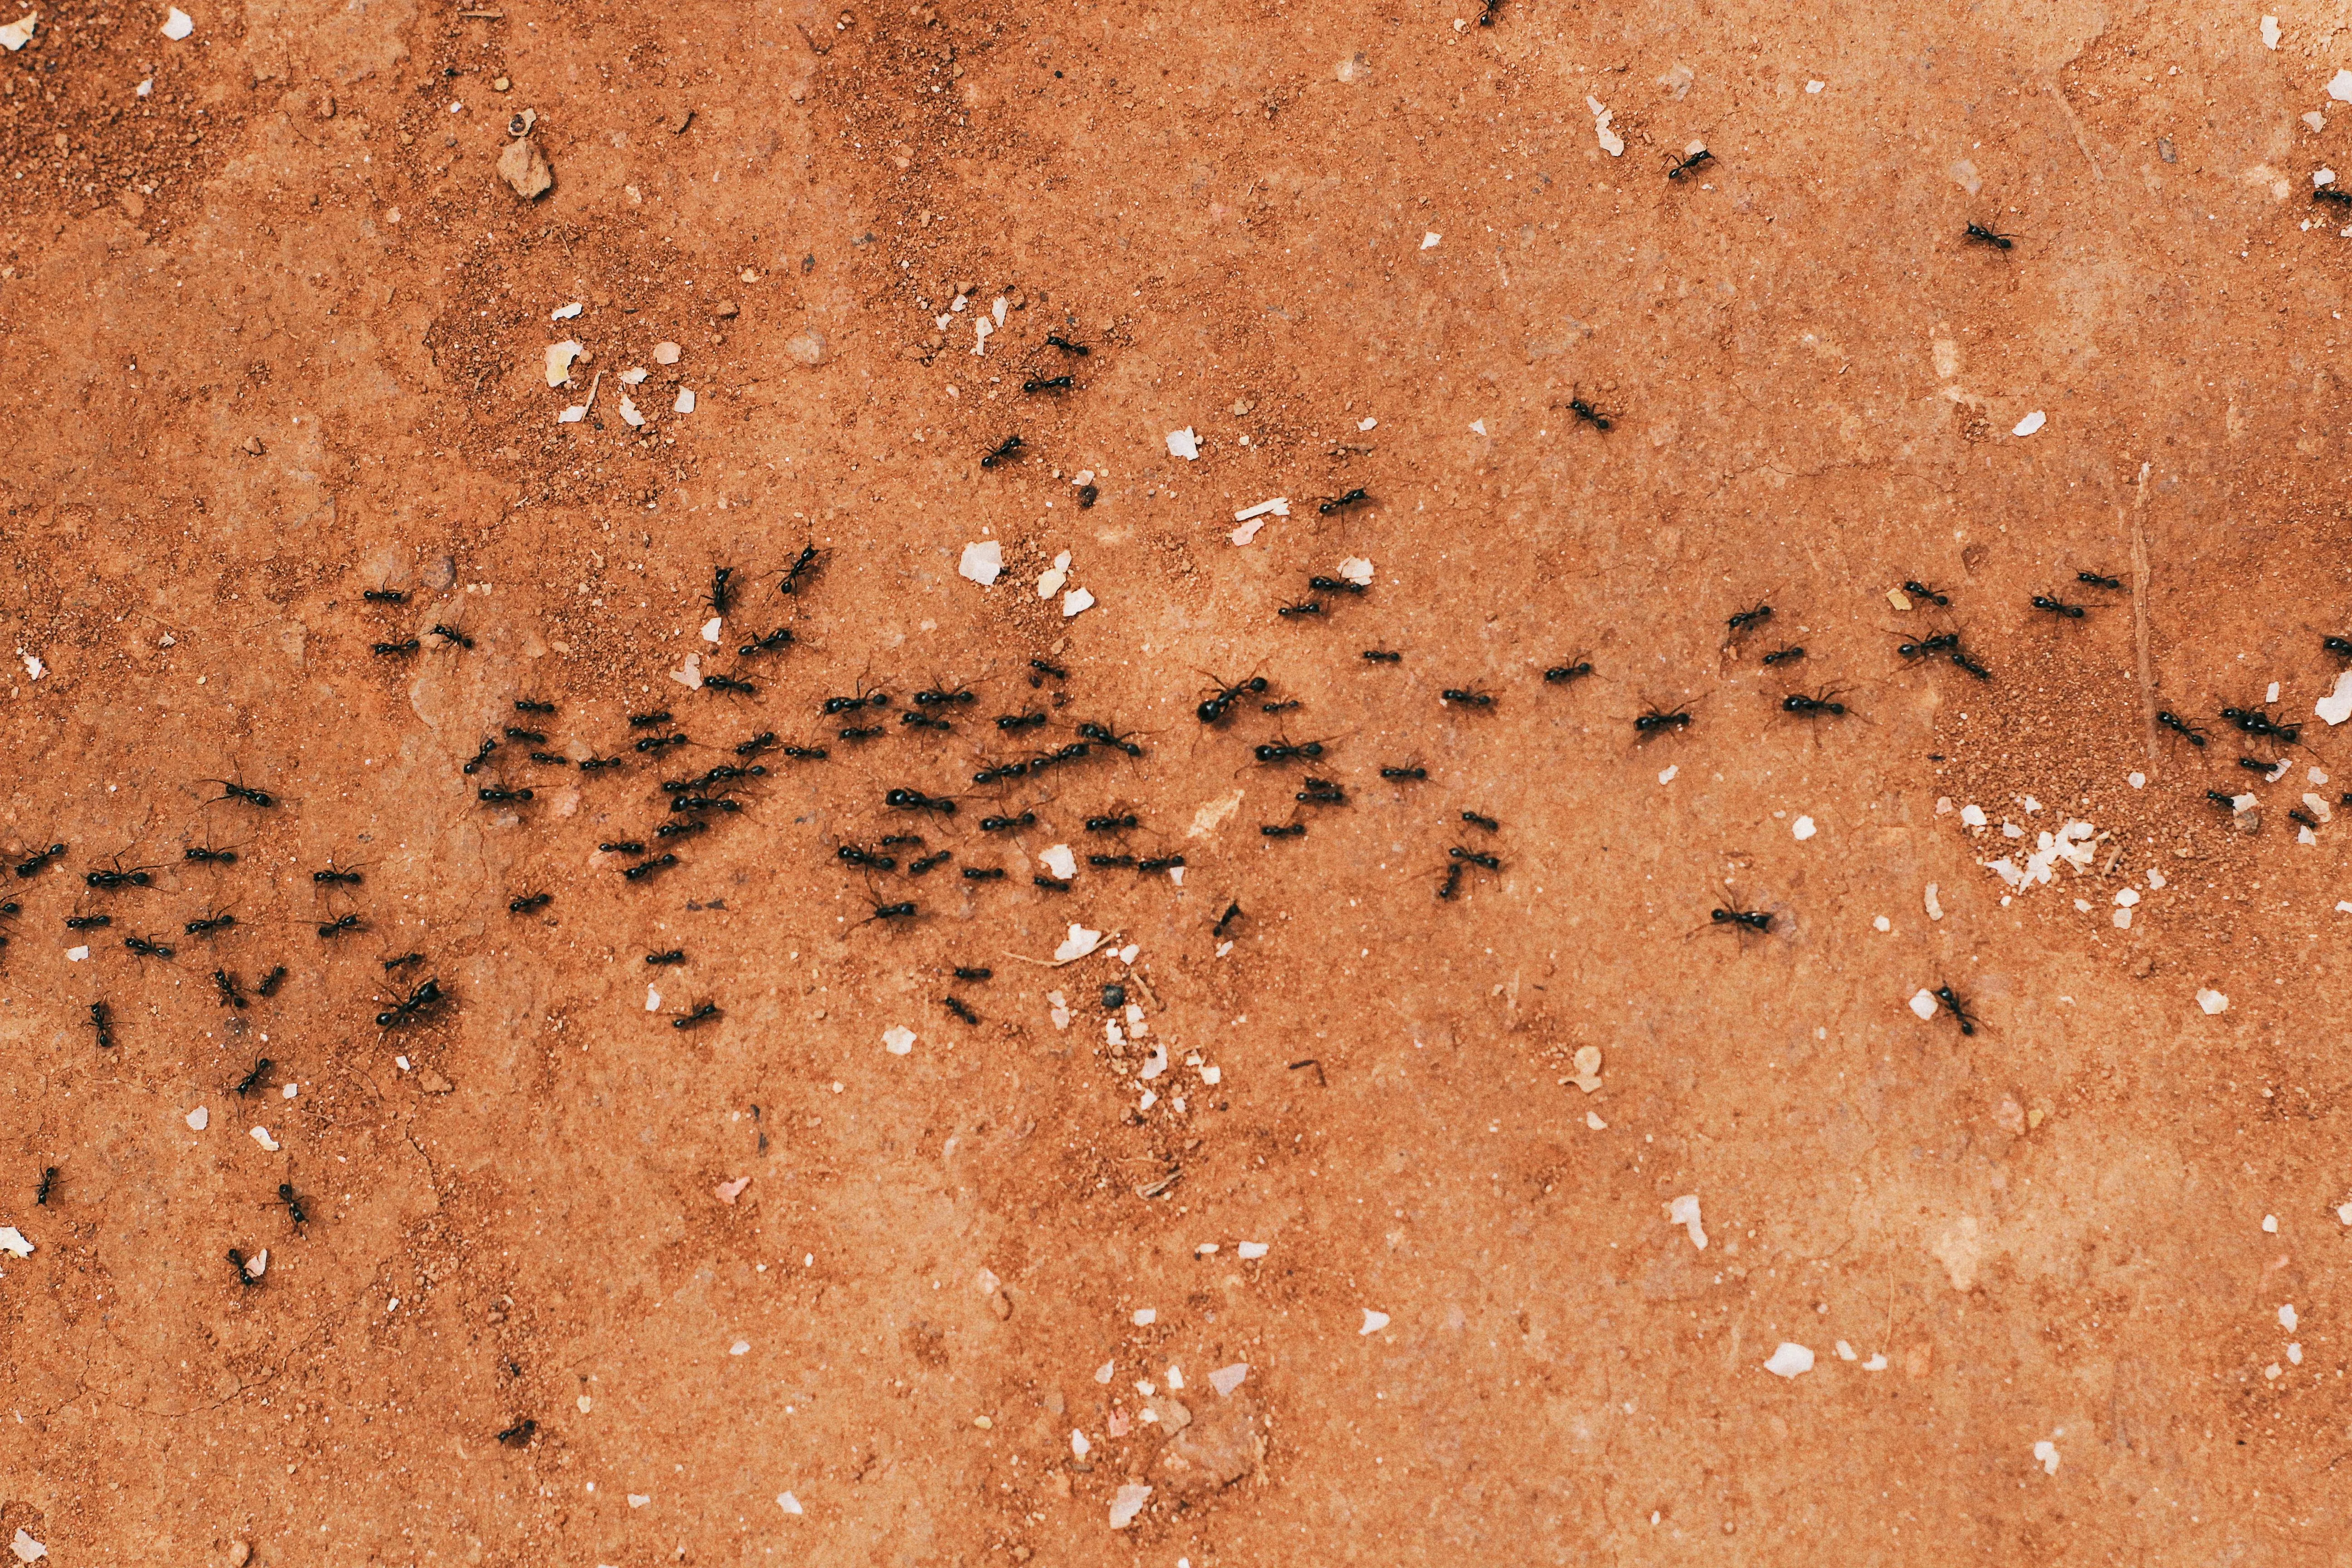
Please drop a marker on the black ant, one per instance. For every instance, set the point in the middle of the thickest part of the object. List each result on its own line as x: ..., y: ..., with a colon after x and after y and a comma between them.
x: 481, y: 756
x: 1003, y: 453
x: 146, y: 948
x: 1475, y: 858
x: 334, y: 875
x: 551, y: 759
x: 807, y: 754
x: 2342, y: 199
x: 2296, y: 814
x: 1657, y: 720
x: 1350, y: 498
x: 905, y: 910
x: 211, y: 925
x: 674, y: 955
x: 529, y: 902
x: 395, y: 649
x: 1112, y: 824
x: 912, y: 719
x: 1452, y: 882
x: 854, y: 855
x: 1814, y: 707
x: 1942, y: 642
x: 1410, y: 772
x: 1338, y: 585
x: 1588, y: 413
x: 1747, y: 619
x: 662, y: 743
x: 801, y: 563
x: 1488, y: 823
x: 245, y: 1274
x: 1111, y: 738
x: 532, y: 705
x: 255, y: 1079
x: 48, y: 1185
x: 1294, y: 830
x: 276, y: 977
x: 941, y: 697
x: 1158, y: 863
x: 333, y: 929
x: 1281, y: 751
x: 1214, y: 710
x: 2095, y: 581
x: 649, y: 720
x: 2057, y: 607
x: 294, y: 1210
x: 2257, y: 723
x: 1067, y: 346
x: 519, y: 1434
x: 499, y: 797
x: 1297, y: 607
x: 962, y: 972
x: 955, y: 1005
x: 859, y: 732
x: 1751, y: 919
x: 1951, y: 1003
x: 417, y: 1002
x: 860, y: 698
x: 261, y: 798
x: 1042, y: 669
x: 32, y: 868
x: 1016, y: 721
x: 1381, y: 656
x: 1486, y: 12
x: 729, y: 683
x: 1980, y: 233
x: 1687, y: 165
x: 987, y: 874
x: 720, y: 591
x: 89, y: 923
x: 204, y: 855
x: 1233, y: 912
x: 929, y: 863
x: 1561, y: 674
x: 915, y: 800
x: 2221, y: 798
x: 624, y: 846
x: 1921, y: 591
x: 1103, y: 861
x: 385, y: 596
x: 2340, y: 647
x: 99, y: 1021
x: 1971, y: 666
x: 1469, y: 697
x: 1321, y: 792
x: 2256, y: 765
x: 229, y: 995
x: 643, y: 869
x: 402, y: 962
x: 1049, y: 384
x: 138, y: 877
x: 775, y: 641
x: 757, y: 743
x: 2182, y: 727
x: 1784, y: 656
x: 702, y: 1015
x: 450, y: 635
x: 1008, y: 824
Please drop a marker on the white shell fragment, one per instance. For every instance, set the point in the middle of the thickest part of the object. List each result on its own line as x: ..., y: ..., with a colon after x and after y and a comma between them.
x: 1081, y: 941
x: 26, y: 1549
x: 2212, y: 1001
x: 2045, y: 1454
x: 1611, y: 143
x: 565, y: 312
x: 1127, y: 1503
x: 685, y: 403
x: 2337, y: 706
x: 1279, y: 506
x: 1923, y: 1001
x: 1373, y: 1322
x: 1183, y: 444
x: 257, y: 1264
x: 710, y: 629
x: 2270, y: 32
x: 629, y: 414
x: 178, y: 25
x: 1143, y: 1318
x: 667, y: 354
x: 653, y: 1000
x: 1247, y: 530
x: 261, y: 1136
x: 1588, y: 1068
x: 690, y: 674
x: 788, y: 1502
x: 1802, y: 828
x: 1683, y: 1212
x: 1249, y: 1251
x: 633, y: 376
x: 2340, y: 87
x: 559, y: 360
x: 1225, y: 1379
x: 1076, y: 602
x: 1429, y: 241
x: 1792, y: 1360
x: 2031, y: 423
x: 1356, y: 570
x: 2287, y: 1319
x: 728, y: 1192
x: 982, y: 561
x: 15, y: 35
x: 897, y: 1039
x: 13, y: 1240
x: 1060, y: 861
x: 1078, y: 1444
x: 199, y: 1118
x: 1934, y: 905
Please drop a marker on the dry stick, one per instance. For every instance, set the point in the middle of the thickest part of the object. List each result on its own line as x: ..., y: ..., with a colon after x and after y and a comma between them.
x: 2139, y: 614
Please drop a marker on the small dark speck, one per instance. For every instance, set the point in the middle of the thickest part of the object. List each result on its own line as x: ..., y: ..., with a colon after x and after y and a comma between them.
x: 1057, y: 75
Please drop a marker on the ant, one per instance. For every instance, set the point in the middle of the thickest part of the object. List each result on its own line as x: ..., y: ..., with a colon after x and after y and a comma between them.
x: 335, y: 874
x: 977, y: 874
x: 1159, y: 863
x: 1561, y: 674
x: 1350, y: 498
x: 1690, y: 164
x: 1588, y: 413
x: 499, y: 796
x: 1657, y: 720
x: 913, y: 721
x: 99, y: 1021
x: 385, y: 596
x: 32, y: 868
x: 138, y: 877
x: 860, y: 698
x: 204, y: 855
x: 1751, y: 919
x: 929, y: 863
x: 624, y: 846
x: 1233, y: 912
x: 1466, y: 696
x: 2183, y: 728
x: 1971, y: 666
x: 1321, y: 792
x: 1295, y: 830
x: 1015, y: 721
x: 333, y: 929
x: 1486, y: 12
x: 640, y: 871
x: 1297, y: 607
x: 1215, y: 709
x: 807, y: 754
x: 418, y: 1002
x: 1281, y: 751
x: 729, y: 683
x: 2297, y: 814
x: 775, y: 641
x: 955, y: 1005
x: 1108, y: 860
x: 1067, y: 346
x: 261, y: 798
x: 48, y: 1185
x: 1452, y: 882
x: 963, y: 974
x: 244, y: 1268
x: 1043, y: 670
x: 89, y: 923
x: 1488, y: 823
x: 229, y: 995
x: 720, y: 591
x: 649, y: 720
x: 1411, y: 773
x: 595, y: 764
x: 2057, y: 607
x: 1941, y: 642
x: 528, y: 903
x: 395, y: 649
x: 941, y: 697
x: 674, y: 955
x: 1951, y: 1004
x: 757, y: 743
x: 2227, y: 802
x: 2094, y: 580
x: 702, y: 1015
x: 2256, y: 765
x: 1003, y: 453
x: 208, y: 926
x: 2255, y: 722
x: 1784, y: 656
x: 481, y: 756
x: 1112, y: 824
x: 1338, y: 585
x: 255, y: 1079
x: 276, y: 977
x: 450, y: 635
x: 146, y: 948
x: 1381, y: 656
x: 800, y: 564
x: 2340, y: 647
x: 1491, y: 863
x: 662, y: 743
x: 905, y: 910
x: 2331, y: 194
x: 1111, y: 738
x: 1049, y: 384
x: 854, y: 855
x: 293, y: 1204
x: 1814, y: 707
x: 915, y: 800
x: 1980, y: 233
x: 1008, y: 824
x: 532, y: 705
x: 1921, y: 591
x: 519, y: 1434
x: 1747, y: 619
x: 402, y: 962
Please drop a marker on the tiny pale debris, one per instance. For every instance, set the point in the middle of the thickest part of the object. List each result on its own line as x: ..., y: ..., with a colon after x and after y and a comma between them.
x: 178, y: 25
x: 573, y: 415
x: 2337, y: 706
x: 2287, y: 1319
x: 1061, y: 861
x: 2045, y: 1454
x: 982, y: 561
x: 710, y: 629
x: 1225, y: 1379
x: 897, y: 1039
x: 525, y: 168
x: 1079, y: 1446
x: 689, y: 675
x: 1845, y: 1351
x: 1611, y: 143
x: 1080, y: 942
x: 1183, y: 444
x: 1247, y: 530
x: 1792, y: 1360
x: 629, y: 414
x: 1923, y: 1001
x: 565, y: 312
x: 2212, y: 1001
x: 1588, y: 1068
x: 1144, y: 1317
x: 788, y: 1503
x: 1356, y: 570
x: 2270, y: 1225
x: 1478, y: 426
x: 199, y: 1118
x: 728, y: 1192
x: 1127, y: 1503
x: 2295, y: 1354
x: 1076, y: 602
x: 2031, y: 423
x: 1373, y: 1322
x: 639, y: 1500
x: 1896, y: 597
x: 653, y: 1000
x: 2340, y: 87
x: 1249, y: 1251
x: 1666, y: 774
x: 741, y: 1347
x: 635, y: 375
x: 15, y: 35
x: 685, y: 403
x: 2270, y: 32
x: 559, y: 360
x: 75, y: 954
x: 26, y: 1549
x: 13, y: 1240
x: 1973, y: 815
x: 667, y: 354
x: 261, y: 1136
x: 1279, y: 506
x: 1802, y: 828
x: 586, y: 1405
x: 1102, y: 1372
x: 1430, y: 239
x: 1683, y: 1212
x: 1875, y: 1363
x: 1815, y: 86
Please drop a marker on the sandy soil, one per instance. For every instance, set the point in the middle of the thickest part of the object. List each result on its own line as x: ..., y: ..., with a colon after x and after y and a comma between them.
x: 580, y: 1279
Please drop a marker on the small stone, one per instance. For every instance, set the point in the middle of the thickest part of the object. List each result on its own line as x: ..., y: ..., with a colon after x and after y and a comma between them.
x: 1213, y: 1450
x: 805, y: 348
x: 500, y: 85
x: 441, y: 572
x: 239, y: 1553
x: 725, y: 311
x: 432, y: 1082
x: 526, y: 169
x: 1000, y: 1303
x: 667, y: 354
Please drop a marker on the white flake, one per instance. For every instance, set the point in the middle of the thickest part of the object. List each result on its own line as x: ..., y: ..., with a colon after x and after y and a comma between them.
x: 34, y: 668
x: 1279, y: 506
x: 633, y: 376
x: 1429, y: 239
x: 1076, y: 602
x: 685, y: 403
x: 2270, y: 32
x: 1683, y: 1212
x: 1666, y: 774
x: 1477, y: 426
x: 897, y: 1039
x: 261, y: 1136
x: 1593, y: 1120
x: 1366, y: 423
x: 667, y: 354
x: 2287, y: 1319
x: 2031, y: 423
x: 741, y: 1347
x: 2295, y: 1354
x: 1875, y: 1363
x: 178, y: 25
x: 199, y: 1118
x: 980, y: 329
x: 2136, y: 780
x: 1356, y: 569
x: 1144, y: 1317
x: 1061, y: 861
x: 629, y: 414
x: 1127, y: 1503
x: 653, y: 1000
x: 788, y: 1502
x: 1802, y: 828
x: 1611, y: 143
x: 1974, y: 815
x: 1247, y: 530
x: 710, y: 629
x: 573, y: 415
x: 26, y: 1549
x: 2340, y: 87
x: 1815, y: 86
x: 1081, y: 941
x: 982, y: 561
x: 1225, y: 1379
x: 75, y: 954
x: 13, y: 1240
x: 565, y: 312
x: 1183, y: 444
x: 2337, y: 706
x: 1934, y: 905
x: 997, y: 310
x: 257, y: 1264
x: 1078, y: 1444
x: 1249, y: 1251
x: 2212, y: 1001
x: 2045, y: 1454
x: 1792, y: 1360
x: 15, y: 35
x: 559, y: 361
x: 2270, y: 1225
x: 1923, y: 1001
x: 689, y: 675
x: 1373, y: 1322
x: 1845, y: 1351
